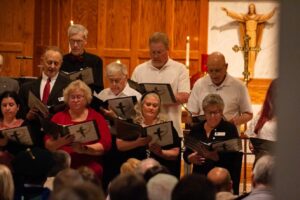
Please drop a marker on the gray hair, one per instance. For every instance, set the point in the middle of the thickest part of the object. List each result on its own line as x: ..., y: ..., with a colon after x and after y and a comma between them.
x: 264, y: 170
x: 212, y: 99
x: 77, y: 28
x: 159, y: 37
x: 114, y: 68
x: 161, y: 186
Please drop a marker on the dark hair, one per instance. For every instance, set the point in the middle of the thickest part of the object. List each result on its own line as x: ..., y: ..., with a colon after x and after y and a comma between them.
x: 268, y: 109
x: 194, y: 187
x: 128, y: 186
x: 154, y: 171
x: 12, y: 95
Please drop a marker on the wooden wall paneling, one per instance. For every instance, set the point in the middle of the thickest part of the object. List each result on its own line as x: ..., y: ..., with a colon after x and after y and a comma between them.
x: 16, y: 30
x: 203, y: 34
x: 65, y: 16
x: 134, y: 35
x: 257, y: 90
x: 152, y: 19
x: 118, y: 24
x: 86, y: 13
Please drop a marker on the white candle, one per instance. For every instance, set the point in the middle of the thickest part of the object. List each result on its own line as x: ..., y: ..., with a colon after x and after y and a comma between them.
x: 187, y: 57
x: 71, y: 23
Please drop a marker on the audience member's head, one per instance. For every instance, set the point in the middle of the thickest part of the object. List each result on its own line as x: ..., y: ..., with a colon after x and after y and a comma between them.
x: 152, y: 171
x: 221, y: 179
x: 160, y: 186
x: 89, y: 175
x: 128, y: 186
x: 263, y: 171
x: 129, y: 166
x: 145, y: 164
x: 83, y: 191
x: 62, y: 160
x: 33, y: 165
x: 6, y: 183
x: 67, y: 177
x: 194, y: 187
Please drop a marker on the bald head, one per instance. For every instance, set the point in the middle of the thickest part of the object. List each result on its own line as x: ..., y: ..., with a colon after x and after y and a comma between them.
x: 216, y: 67
x: 220, y: 178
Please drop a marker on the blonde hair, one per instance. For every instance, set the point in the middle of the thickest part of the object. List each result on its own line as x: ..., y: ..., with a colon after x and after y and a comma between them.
x: 75, y: 85
x: 129, y: 166
x: 138, y: 108
x: 6, y: 183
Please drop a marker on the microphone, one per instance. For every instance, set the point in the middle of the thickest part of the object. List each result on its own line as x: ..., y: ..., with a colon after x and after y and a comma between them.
x: 24, y: 57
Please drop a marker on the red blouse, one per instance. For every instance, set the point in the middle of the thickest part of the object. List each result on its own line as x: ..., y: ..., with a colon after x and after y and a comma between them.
x: 77, y: 160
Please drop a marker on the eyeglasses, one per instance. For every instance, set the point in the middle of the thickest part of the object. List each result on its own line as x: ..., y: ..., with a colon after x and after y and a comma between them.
x: 115, y: 81
x: 212, y: 113
x: 157, y: 53
x: 79, y: 42
x: 74, y: 97
x: 50, y: 62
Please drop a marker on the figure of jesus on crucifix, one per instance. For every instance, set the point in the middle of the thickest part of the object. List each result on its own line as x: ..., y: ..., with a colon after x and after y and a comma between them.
x: 251, y: 24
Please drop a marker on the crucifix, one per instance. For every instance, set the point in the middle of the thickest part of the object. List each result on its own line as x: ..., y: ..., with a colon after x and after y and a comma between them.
x: 158, y: 132
x: 246, y: 49
x: 121, y: 107
x: 81, y: 131
x: 16, y: 136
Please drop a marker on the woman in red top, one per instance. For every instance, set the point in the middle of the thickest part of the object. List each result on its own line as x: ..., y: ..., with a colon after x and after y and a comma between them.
x: 78, y: 96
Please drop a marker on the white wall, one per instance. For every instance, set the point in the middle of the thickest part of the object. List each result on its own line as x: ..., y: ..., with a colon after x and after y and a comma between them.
x: 223, y: 34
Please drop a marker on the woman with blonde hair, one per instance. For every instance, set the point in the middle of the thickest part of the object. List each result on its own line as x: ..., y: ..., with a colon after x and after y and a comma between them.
x: 6, y: 183
x: 149, y: 113
x: 78, y: 97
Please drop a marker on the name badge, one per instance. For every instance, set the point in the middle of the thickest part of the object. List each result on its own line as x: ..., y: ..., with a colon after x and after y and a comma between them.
x: 220, y: 133
x: 60, y: 99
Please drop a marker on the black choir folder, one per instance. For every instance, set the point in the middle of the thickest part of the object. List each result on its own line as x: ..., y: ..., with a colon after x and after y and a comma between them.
x: 84, y: 132
x: 21, y: 135
x: 85, y: 74
x: 160, y: 133
x: 163, y: 89
x: 262, y: 145
x: 34, y: 102
x: 122, y: 106
x: 230, y: 145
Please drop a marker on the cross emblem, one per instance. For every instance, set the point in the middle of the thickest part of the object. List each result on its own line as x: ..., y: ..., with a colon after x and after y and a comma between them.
x: 158, y: 132
x: 246, y: 49
x: 121, y: 108
x: 81, y: 131
x: 16, y: 136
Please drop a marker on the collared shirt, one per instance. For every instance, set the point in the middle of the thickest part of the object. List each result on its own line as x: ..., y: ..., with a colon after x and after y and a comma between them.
x: 233, y: 92
x: 127, y: 91
x: 173, y: 73
x: 44, y: 81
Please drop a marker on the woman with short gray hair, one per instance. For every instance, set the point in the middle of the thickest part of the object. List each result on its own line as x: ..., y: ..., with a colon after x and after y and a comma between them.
x: 213, y: 129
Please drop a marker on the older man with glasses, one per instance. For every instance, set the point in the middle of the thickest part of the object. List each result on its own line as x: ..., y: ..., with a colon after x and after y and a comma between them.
x: 79, y: 59
x: 238, y: 109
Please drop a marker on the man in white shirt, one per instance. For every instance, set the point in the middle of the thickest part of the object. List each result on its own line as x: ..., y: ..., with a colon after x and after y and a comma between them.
x: 162, y: 69
x: 117, y: 75
x: 238, y: 109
